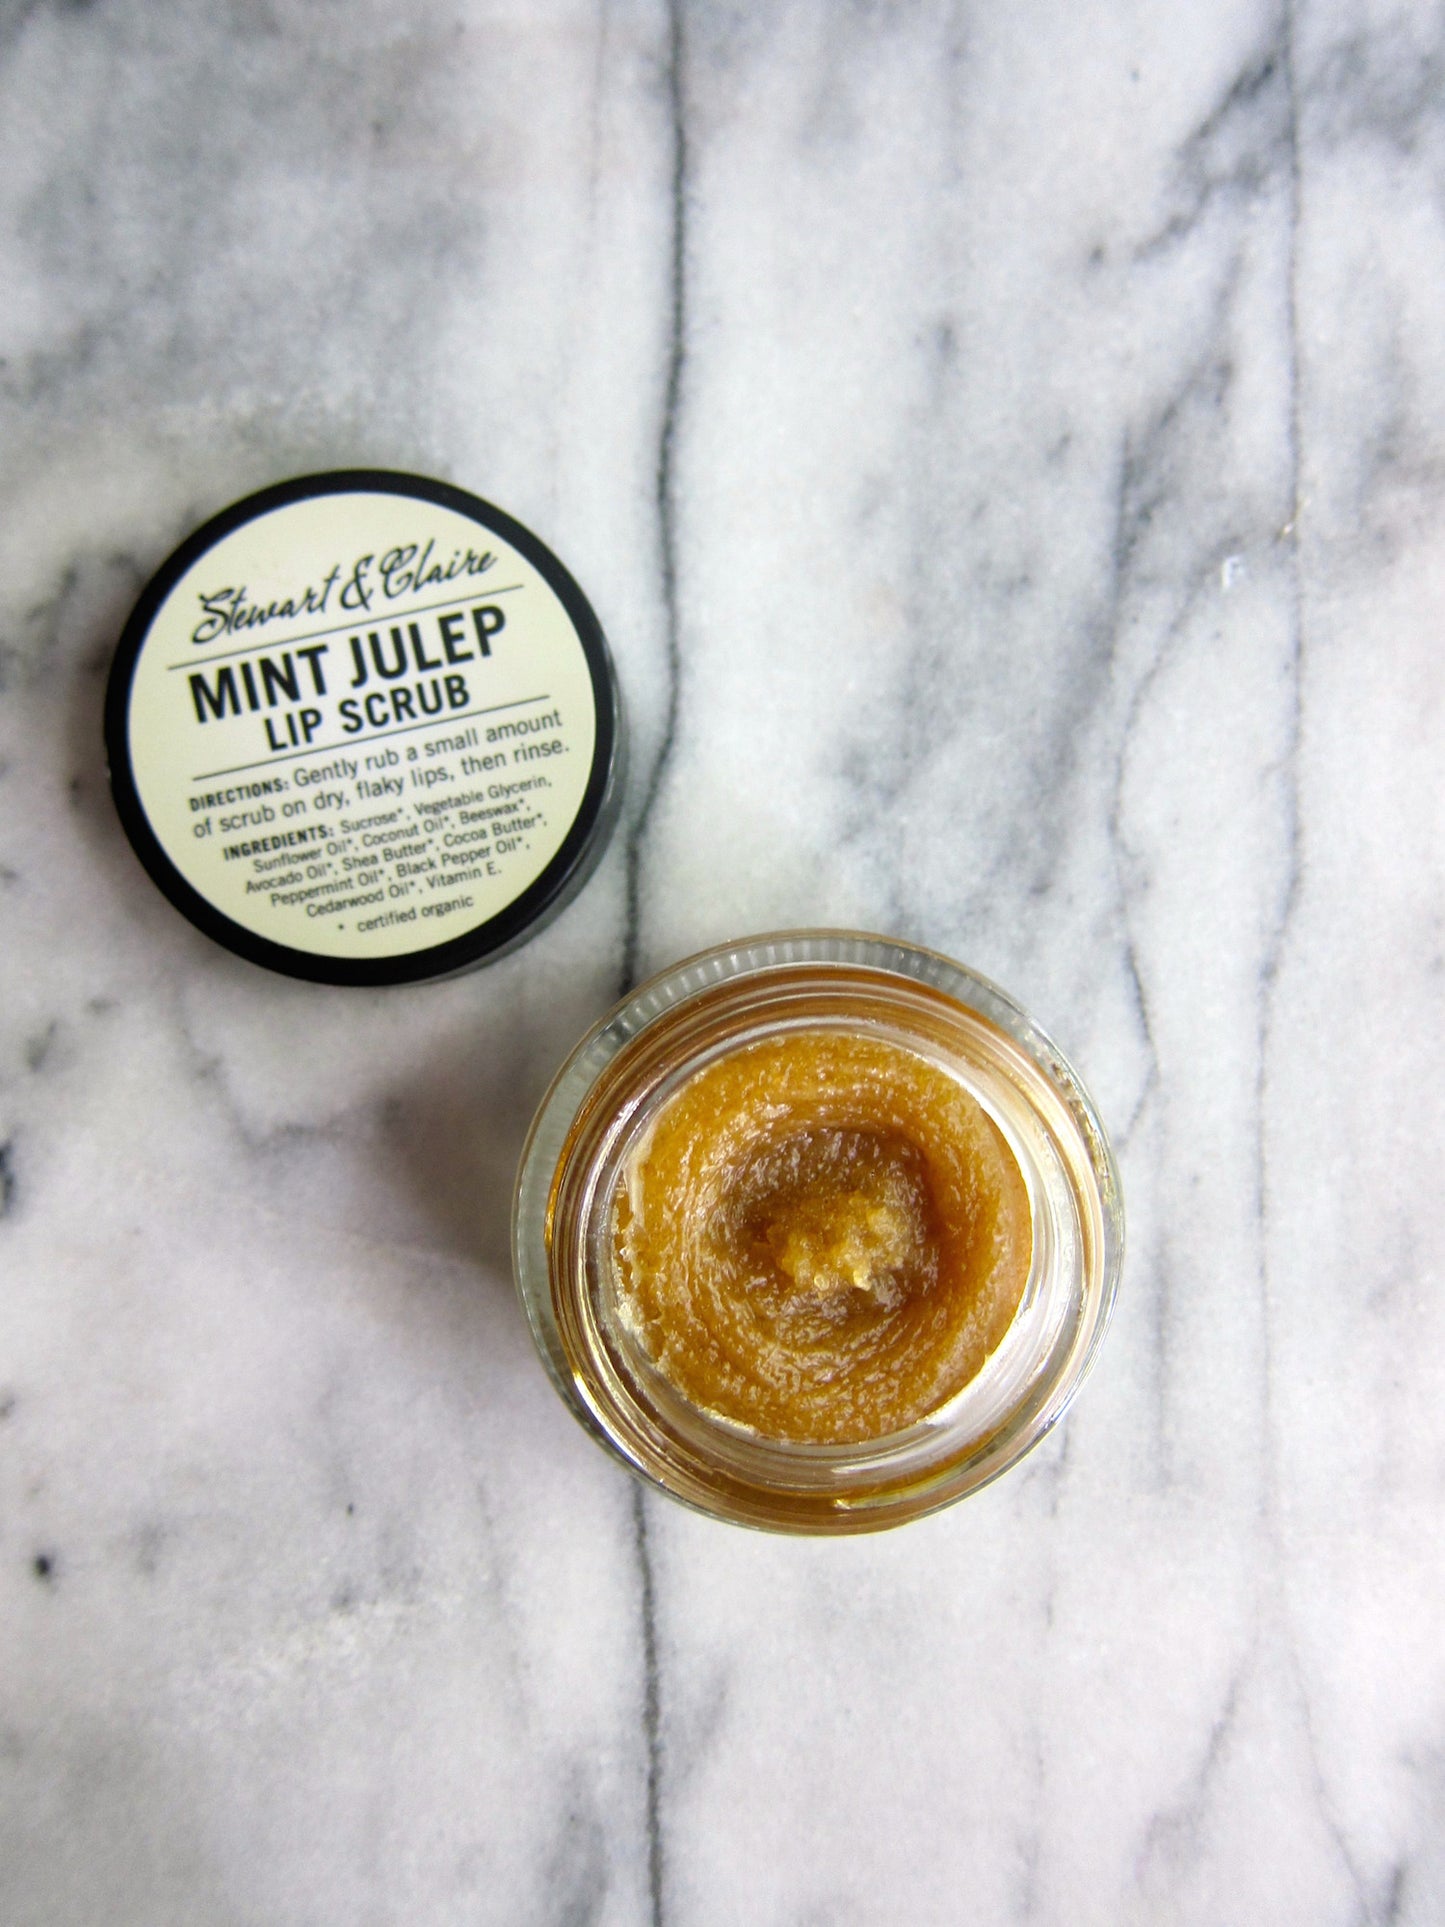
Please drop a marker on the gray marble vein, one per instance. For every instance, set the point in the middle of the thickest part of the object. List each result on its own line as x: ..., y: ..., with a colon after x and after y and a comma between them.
x: 1006, y: 447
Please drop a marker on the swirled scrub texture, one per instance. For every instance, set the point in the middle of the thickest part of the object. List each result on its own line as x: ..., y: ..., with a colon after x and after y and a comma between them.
x: 822, y: 1237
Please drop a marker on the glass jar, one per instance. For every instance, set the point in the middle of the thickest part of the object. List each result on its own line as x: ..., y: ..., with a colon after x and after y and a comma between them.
x: 603, y: 1104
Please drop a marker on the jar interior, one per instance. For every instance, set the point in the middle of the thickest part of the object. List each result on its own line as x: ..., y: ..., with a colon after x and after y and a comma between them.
x: 713, y: 1462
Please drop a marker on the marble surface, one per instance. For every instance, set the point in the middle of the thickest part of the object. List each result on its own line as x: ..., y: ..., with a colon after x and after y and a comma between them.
x: 1006, y: 446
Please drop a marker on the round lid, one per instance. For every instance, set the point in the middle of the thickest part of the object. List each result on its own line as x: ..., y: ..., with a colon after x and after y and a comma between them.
x: 363, y: 728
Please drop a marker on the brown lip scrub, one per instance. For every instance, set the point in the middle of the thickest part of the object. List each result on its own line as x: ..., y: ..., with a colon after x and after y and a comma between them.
x: 817, y: 1231
x: 822, y: 1237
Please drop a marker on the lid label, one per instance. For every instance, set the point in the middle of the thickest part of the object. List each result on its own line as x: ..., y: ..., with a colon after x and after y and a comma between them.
x: 356, y: 729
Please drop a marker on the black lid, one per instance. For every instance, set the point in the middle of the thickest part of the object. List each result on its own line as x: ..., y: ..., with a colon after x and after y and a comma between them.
x: 363, y: 728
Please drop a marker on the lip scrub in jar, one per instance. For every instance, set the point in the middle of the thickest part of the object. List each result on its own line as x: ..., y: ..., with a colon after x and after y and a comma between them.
x: 817, y: 1232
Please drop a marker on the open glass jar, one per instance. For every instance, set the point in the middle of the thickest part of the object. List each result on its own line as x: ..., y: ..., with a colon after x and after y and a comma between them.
x: 748, y: 1004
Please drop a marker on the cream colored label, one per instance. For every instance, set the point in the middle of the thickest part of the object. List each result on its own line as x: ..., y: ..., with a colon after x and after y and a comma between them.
x: 361, y: 725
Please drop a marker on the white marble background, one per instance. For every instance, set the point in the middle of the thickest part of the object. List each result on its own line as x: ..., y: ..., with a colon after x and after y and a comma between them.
x: 1006, y: 445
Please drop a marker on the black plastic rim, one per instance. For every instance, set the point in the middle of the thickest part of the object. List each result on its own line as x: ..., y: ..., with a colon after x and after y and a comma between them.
x: 541, y: 900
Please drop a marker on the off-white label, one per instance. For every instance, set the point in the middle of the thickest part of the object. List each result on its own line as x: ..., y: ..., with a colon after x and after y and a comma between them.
x: 361, y: 725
